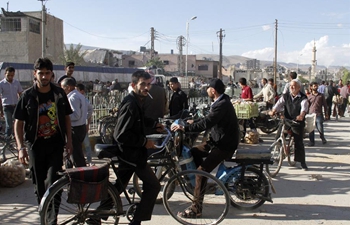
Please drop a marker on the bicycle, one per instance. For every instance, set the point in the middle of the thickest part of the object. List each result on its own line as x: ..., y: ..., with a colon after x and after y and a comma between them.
x: 281, y: 148
x: 9, y: 149
x: 246, y: 183
x: 55, y: 198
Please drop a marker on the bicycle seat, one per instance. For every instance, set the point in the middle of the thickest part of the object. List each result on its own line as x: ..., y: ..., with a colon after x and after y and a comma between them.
x: 250, y: 156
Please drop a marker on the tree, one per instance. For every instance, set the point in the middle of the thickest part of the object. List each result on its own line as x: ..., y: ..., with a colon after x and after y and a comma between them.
x: 345, y: 75
x: 155, y: 62
x: 75, y: 55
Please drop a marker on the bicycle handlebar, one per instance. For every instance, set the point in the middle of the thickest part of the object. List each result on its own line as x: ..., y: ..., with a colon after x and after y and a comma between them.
x: 165, y: 141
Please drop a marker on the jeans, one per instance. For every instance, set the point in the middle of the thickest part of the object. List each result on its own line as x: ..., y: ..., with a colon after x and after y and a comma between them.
x: 8, y: 113
x: 319, y: 127
x: 87, y: 147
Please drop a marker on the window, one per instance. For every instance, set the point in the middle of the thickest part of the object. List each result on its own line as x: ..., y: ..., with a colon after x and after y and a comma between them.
x: 203, y: 67
x: 131, y: 63
x: 34, y: 26
x: 166, y: 62
x: 10, y: 24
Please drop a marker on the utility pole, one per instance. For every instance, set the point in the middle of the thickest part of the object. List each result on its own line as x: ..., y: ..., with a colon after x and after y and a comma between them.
x: 152, y: 42
x: 220, y: 54
x: 180, y: 44
x: 43, y: 33
x: 313, y: 62
x: 275, y: 59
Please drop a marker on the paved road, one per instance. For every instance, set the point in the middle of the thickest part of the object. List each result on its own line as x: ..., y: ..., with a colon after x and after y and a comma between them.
x: 318, y: 196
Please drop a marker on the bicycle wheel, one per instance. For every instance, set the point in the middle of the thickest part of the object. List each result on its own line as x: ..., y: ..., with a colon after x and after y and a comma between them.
x: 9, y: 151
x: 277, y: 158
x: 163, y: 176
x: 290, y: 156
x: 251, y: 191
x: 215, y: 201
x: 55, y: 202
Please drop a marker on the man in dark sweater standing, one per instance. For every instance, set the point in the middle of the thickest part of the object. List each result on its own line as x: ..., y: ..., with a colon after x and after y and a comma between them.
x: 178, y: 100
x: 295, y: 105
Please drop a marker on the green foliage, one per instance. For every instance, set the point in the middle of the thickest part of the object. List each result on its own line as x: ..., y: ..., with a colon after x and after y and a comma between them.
x: 345, y: 75
x: 303, y: 80
x: 155, y: 62
x: 75, y: 55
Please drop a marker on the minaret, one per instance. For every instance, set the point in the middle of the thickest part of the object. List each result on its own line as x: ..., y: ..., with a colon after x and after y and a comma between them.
x: 313, y: 62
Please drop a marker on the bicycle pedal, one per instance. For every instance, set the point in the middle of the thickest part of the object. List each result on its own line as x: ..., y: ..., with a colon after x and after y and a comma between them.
x: 131, y: 191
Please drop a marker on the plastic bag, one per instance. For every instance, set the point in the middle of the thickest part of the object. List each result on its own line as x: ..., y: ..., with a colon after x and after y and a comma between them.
x: 12, y: 173
x: 252, y: 137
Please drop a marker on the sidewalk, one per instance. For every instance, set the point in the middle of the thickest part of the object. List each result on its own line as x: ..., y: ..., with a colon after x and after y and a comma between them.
x: 320, y: 195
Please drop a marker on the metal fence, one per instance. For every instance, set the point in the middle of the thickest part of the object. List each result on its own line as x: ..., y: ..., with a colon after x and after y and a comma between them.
x: 103, y: 104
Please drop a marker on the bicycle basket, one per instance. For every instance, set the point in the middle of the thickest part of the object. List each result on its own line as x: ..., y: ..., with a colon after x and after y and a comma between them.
x: 88, y: 184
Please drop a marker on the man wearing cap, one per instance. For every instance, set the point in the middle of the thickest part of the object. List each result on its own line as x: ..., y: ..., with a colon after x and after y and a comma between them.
x: 223, y: 125
x: 69, y: 72
x: 178, y: 100
x: 295, y: 105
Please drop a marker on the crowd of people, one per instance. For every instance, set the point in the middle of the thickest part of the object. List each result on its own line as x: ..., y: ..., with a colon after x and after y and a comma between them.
x: 52, y: 120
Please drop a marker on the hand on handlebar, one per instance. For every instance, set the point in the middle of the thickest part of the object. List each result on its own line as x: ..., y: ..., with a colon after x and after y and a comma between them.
x: 149, y: 144
x: 271, y: 112
x: 159, y: 127
x: 177, y: 127
x: 190, y: 121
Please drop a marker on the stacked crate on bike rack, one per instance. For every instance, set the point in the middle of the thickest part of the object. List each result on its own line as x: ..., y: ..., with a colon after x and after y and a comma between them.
x: 246, y: 110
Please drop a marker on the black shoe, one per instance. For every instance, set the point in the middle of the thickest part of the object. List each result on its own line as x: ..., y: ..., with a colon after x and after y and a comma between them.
x: 324, y: 141
x: 311, y: 144
x: 261, y: 140
x: 304, y: 167
x: 93, y: 221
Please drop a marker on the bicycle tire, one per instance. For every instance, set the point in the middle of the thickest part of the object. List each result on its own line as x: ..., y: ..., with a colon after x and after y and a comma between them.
x: 267, y: 130
x: 137, y: 183
x: 9, y: 151
x: 290, y: 156
x: 277, y: 158
x: 77, y: 213
x: 215, y: 204
x: 251, y: 192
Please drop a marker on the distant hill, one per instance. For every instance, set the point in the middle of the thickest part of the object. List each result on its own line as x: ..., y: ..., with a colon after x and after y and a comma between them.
x: 231, y: 60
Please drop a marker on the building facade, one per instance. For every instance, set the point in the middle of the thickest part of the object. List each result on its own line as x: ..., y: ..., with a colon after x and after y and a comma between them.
x: 21, y: 37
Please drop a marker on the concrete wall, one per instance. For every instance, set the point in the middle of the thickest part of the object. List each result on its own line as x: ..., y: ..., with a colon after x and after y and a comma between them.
x: 25, y: 46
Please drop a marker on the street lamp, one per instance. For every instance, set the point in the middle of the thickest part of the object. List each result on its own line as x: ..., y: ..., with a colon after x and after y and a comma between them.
x: 187, y: 41
x: 298, y: 64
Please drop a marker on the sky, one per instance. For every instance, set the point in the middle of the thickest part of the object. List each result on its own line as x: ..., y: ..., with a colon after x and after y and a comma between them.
x: 249, y: 26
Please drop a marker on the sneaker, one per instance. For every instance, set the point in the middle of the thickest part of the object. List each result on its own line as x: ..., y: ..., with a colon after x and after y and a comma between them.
x: 311, y: 144
x: 304, y: 167
x: 324, y: 141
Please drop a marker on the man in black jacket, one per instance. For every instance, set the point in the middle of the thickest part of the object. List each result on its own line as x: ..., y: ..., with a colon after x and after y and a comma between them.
x: 130, y: 136
x: 222, y: 121
x: 42, y: 113
x: 295, y: 105
x: 178, y: 100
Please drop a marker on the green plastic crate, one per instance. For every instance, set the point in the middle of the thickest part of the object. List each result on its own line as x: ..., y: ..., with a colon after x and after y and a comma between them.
x: 246, y: 110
